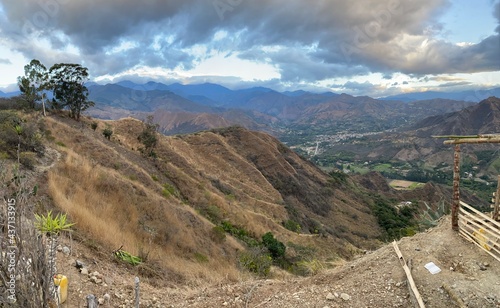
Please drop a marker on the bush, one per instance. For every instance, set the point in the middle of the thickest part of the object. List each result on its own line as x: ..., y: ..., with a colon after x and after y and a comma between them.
x: 168, y: 190
x: 27, y: 159
x: 93, y: 125
x: 292, y: 225
x: 307, y: 268
x: 276, y: 248
x: 107, y: 132
x: 256, y: 261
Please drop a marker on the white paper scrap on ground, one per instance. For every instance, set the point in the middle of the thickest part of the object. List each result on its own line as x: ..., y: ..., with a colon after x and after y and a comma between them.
x: 433, y: 268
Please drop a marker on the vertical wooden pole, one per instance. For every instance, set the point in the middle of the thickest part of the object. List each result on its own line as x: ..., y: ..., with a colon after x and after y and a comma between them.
x: 136, y: 292
x: 496, y: 208
x: 455, y: 205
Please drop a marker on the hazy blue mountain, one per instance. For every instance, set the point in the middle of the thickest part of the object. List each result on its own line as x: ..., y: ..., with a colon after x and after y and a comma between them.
x: 9, y: 94
x: 471, y: 96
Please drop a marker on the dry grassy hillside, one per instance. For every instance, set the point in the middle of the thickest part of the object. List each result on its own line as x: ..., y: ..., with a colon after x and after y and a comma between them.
x: 170, y: 206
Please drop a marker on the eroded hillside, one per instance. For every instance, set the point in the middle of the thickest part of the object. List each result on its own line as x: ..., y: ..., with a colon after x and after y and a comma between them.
x: 171, y: 204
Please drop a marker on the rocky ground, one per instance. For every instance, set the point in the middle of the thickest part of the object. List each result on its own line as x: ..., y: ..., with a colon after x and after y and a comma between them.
x: 375, y: 279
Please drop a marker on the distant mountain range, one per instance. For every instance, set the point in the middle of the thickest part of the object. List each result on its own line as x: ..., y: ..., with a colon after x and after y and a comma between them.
x: 469, y: 96
x: 188, y: 108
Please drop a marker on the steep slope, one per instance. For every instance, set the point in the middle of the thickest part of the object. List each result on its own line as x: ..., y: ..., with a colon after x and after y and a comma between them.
x: 482, y: 118
x: 170, y: 205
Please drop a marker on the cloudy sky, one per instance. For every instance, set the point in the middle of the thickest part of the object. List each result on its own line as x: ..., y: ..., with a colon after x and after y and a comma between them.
x: 364, y: 47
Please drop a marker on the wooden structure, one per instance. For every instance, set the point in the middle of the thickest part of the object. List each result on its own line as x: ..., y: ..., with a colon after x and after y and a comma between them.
x: 481, y: 229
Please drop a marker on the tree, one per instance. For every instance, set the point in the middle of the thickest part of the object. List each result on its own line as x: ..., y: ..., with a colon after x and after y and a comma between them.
x: 107, y: 132
x: 148, y: 137
x: 33, y: 83
x: 68, y: 83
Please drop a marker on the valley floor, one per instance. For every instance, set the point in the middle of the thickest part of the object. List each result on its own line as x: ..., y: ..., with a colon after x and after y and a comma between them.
x: 375, y: 279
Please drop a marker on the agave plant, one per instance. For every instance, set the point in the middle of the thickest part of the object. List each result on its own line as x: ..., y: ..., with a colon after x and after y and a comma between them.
x: 52, y: 226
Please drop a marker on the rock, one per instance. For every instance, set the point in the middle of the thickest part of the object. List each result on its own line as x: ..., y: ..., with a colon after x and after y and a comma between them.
x: 79, y: 264
x: 107, y: 297
x: 93, y: 279
x: 59, y: 248
x: 96, y: 274
x: 101, y: 301
x: 84, y: 271
x: 345, y: 296
x: 330, y: 296
x: 66, y: 250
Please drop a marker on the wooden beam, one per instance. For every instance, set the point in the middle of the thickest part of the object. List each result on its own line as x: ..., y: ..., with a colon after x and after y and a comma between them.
x: 455, y: 203
x: 496, y: 208
x: 408, y: 275
x: 473, y: 140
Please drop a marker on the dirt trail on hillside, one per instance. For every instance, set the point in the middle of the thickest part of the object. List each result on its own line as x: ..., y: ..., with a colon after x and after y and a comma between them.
x: 375, y: 279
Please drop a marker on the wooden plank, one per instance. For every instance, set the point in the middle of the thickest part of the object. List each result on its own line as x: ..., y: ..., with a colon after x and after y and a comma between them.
x: 493, y: 232
x: 494, y: 249
x: 408, y: 275
x: 467, y: 236
x: 473, y: 140
x: 486, y: 217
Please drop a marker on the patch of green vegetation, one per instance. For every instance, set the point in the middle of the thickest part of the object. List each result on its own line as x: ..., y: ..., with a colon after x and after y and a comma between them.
x: 61, y: 144
x: 154, y: 177
x: 124, y: 256
x: 240, y: 233
x: 415, y: 185
x: 212, y: 213
x: 200, y: 258
x: 168, y: 190
x: 292, y: 225
x: 395, y: 224
x: 257, y: 261
x: 382, y: 167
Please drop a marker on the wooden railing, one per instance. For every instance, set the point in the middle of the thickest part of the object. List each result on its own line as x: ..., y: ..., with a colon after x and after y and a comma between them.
x: 480, y: 229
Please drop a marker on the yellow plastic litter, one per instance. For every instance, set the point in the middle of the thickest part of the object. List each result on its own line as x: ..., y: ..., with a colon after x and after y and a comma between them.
x: 61, y: 282
x: 481, y: 239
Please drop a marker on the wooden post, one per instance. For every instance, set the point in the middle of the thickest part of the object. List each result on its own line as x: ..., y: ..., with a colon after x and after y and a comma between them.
x: 496, y: 208
x: 411, y: 282
x: 455, y: 205
x: 136, y: 292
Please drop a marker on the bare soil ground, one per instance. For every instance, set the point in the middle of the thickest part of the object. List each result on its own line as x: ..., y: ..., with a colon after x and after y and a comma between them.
x: 375, y: 279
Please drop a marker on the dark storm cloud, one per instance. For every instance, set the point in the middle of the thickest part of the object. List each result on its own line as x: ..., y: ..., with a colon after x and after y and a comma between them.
x: 314, y: 40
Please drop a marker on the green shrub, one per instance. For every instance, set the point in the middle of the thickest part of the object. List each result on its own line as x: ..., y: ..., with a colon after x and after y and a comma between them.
x: 154, y: 177
x: 60, y: 143
x: 276, y: 248
x: 240, y: 233
x: 212, y: 213
x: 168, y: 190
x: 256, y: 261
x: 107, y: 132
x: 292, y: 225
x: 93, y: 125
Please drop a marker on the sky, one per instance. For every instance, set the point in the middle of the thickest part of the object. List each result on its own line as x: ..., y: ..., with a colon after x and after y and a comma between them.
x: 364, y: 47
